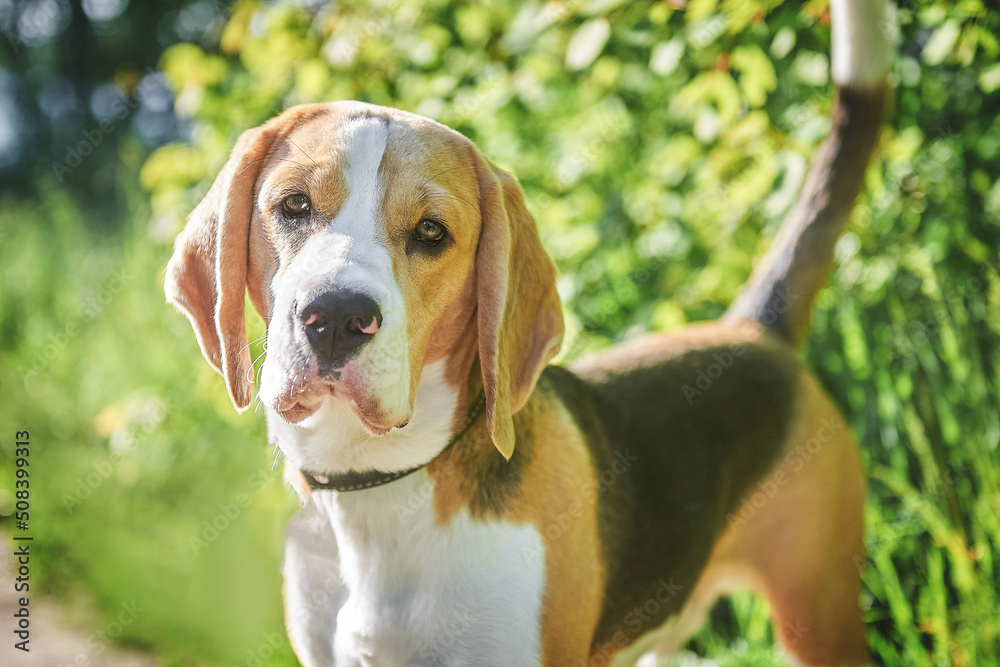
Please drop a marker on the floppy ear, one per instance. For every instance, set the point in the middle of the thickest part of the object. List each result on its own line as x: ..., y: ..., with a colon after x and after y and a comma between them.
x: 207, y: 274
x: 519, y: 317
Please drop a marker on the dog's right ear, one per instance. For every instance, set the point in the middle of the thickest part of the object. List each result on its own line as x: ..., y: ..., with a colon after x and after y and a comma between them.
x: 206, y: 277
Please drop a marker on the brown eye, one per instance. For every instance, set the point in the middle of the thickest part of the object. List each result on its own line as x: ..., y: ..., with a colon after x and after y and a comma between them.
x: 296, y: 206
x: 429, y: 231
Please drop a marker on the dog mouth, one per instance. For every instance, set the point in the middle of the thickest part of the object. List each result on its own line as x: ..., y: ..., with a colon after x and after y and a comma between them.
x: 296, y: 412
x: 374, y: 429
x: 297, y: 404
x: 300, y: 402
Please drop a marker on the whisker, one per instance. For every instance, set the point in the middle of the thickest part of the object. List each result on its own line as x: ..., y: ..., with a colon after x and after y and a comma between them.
x: 446, y: 171
x: 288, y: 159
x: 250, y: 343
x: 450, y: 195
x: 445, y: 193
x: 250, y: 165
x: 300, y: 148
x: 259, y: 357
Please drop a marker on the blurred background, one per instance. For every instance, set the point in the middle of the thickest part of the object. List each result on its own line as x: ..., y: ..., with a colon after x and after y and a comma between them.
x: 660, y: 144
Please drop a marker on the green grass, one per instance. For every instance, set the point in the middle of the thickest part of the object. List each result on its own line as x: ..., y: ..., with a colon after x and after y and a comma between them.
x: 134, y: 447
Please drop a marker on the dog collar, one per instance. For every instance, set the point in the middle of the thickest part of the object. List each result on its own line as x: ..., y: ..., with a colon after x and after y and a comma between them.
x: 356, y: 481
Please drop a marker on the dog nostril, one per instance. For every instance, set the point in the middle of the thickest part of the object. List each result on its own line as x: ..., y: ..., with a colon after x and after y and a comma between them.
x: 314, y: 319
x: 359, y: 325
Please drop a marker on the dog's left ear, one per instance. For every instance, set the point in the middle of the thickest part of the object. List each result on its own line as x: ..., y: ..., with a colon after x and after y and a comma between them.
x: 206, y: 277
x: 519, y: 317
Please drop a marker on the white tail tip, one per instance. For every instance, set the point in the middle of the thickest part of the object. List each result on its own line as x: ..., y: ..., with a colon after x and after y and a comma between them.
x: 864, y: 40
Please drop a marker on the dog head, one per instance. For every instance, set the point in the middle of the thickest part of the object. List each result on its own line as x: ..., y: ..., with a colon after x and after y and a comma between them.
x: 372, y: 242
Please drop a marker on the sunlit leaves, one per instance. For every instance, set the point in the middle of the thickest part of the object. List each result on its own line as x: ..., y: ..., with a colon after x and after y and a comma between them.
x: 187, y: 66
x: 942, y: 41
x: 172, y: 165
x: 757, y: 77
x: 587, y: 43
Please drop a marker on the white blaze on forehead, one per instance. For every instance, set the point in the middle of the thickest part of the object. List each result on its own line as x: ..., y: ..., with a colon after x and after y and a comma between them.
x: 351, y: 252
x: 365, y: 139
x: 353, y: 239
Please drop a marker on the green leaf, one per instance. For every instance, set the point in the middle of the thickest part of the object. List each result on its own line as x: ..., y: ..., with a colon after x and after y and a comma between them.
x: 757, y: 77
x: 587, y: 43
x: 941, y: 42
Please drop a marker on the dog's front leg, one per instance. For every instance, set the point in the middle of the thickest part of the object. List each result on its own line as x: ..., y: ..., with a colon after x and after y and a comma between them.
x: 314, y: 591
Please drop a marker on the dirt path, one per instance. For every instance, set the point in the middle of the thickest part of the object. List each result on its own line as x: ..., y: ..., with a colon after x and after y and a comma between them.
x: 54, y: 642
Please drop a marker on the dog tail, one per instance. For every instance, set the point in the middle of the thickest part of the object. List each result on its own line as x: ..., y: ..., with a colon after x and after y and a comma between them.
x: 781, y: 289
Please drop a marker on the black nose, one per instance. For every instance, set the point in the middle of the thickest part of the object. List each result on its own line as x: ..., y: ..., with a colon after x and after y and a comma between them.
x: 339, y: 323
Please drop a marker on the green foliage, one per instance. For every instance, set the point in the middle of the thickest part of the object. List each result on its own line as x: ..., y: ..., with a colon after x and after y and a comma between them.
x: 659, y: 146
x: 127, y: 436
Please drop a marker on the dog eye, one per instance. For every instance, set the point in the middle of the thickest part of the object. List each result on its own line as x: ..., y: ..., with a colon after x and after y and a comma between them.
x: 296, y: 206
x: 428, y: 231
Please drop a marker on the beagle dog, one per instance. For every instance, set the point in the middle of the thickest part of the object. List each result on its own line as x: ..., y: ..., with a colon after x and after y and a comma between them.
x: 466, y: 502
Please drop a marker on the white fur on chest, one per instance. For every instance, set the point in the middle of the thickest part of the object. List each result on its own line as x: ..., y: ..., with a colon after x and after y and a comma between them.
x: 403, y: 591
x: 420, y: 593
x: 411, y: 591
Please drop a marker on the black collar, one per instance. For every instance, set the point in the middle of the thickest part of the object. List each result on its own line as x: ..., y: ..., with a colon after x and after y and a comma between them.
x: 355, y: 481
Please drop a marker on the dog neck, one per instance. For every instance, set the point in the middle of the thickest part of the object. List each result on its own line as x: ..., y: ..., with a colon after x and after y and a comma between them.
x: 382, y: 532
x: 332, y: 441
x: 378, y: 520
x: 409, y: 577
x: 359, y: 481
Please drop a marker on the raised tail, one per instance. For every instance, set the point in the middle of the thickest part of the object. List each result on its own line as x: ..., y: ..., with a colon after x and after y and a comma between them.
x: 782, y: 288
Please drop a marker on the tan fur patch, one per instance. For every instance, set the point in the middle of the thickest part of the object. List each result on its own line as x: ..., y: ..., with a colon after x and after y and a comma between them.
x: 548, y: 496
